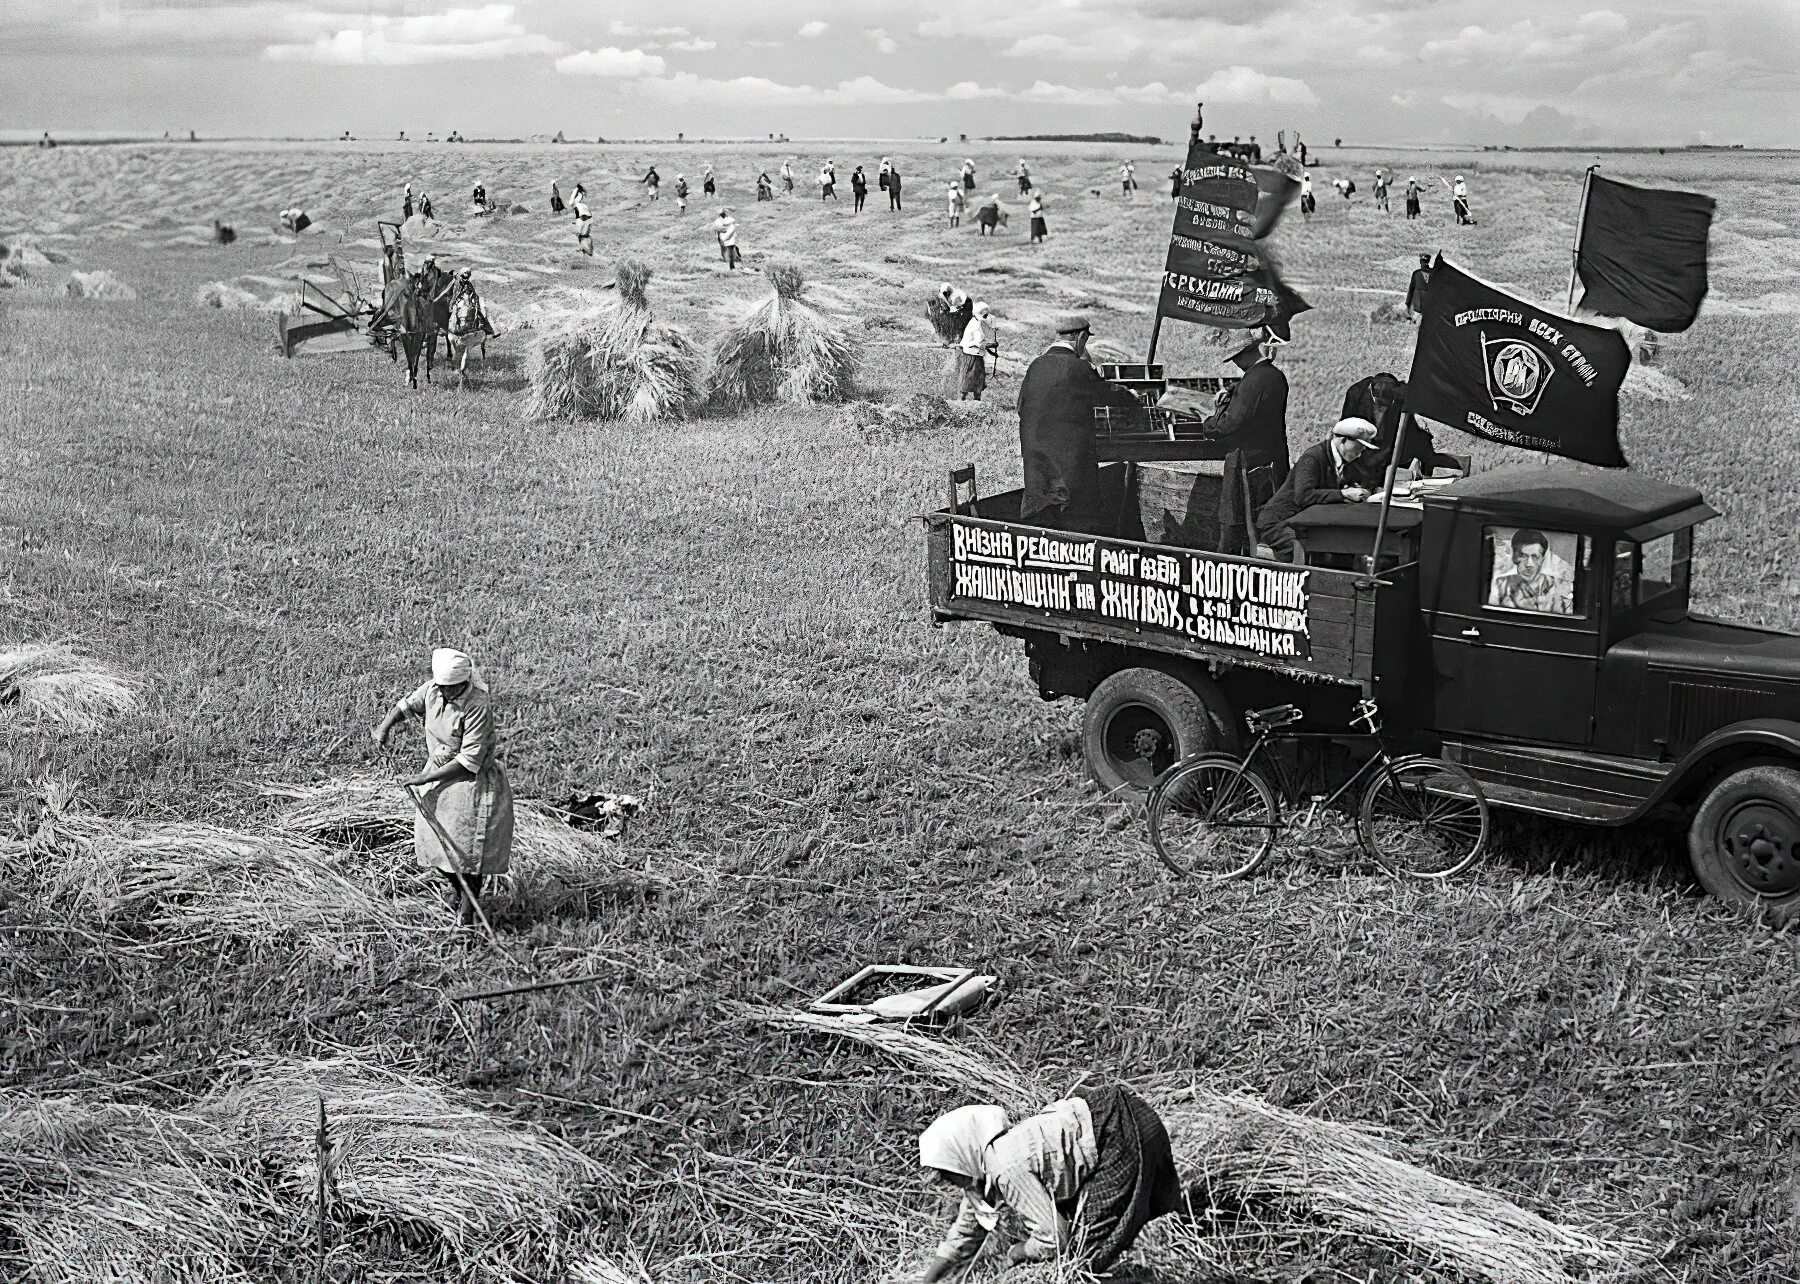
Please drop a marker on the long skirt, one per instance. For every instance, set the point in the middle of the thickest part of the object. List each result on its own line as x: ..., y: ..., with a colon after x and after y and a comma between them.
x: 1134, y: 1181
x: 1462, y: 210
x: 1412, y: 207
x: 709, y: 187
x: 406, y: 208
x: 1024, y: 186
x: 467, y: 825
x: 556, y: 205
x: 1038, y: 230
x: 971, y: 374
x: 968, y: 182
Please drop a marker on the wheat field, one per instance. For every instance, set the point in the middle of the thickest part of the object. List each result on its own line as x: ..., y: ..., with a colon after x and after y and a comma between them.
x: 727, y: 617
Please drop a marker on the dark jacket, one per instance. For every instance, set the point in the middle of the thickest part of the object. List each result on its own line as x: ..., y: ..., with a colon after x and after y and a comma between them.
x: 1415, y: 289
x: 1255, y: 419
x: 1313, y: 481
x: 1056, y: 436
x: 1381, y: 399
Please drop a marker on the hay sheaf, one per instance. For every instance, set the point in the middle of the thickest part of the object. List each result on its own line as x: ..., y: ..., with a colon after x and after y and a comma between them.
x: 615, y: 361
x: 1289, y: 1175
x: 98, y: 285
x: 1388, y: 312
x: 51, y: 682
x: 784, y: 349
x: 232, y: 298
x: 878, y: 421
x: 407, y: 1153
x: 97, y: 1191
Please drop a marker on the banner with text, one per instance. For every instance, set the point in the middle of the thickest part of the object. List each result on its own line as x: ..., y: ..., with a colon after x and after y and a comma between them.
x: 1240, y: 605
x: 1217, y: 272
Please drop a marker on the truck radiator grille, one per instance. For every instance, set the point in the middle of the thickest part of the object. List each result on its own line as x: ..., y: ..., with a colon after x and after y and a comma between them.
x: 1696, y: 708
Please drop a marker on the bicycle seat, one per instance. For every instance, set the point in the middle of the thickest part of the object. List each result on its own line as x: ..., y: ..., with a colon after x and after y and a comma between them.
x: 1281, y: 715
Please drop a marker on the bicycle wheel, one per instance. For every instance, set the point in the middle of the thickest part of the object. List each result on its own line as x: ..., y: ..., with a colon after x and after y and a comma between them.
x: 1423, y: 818
x: 1211, y: 817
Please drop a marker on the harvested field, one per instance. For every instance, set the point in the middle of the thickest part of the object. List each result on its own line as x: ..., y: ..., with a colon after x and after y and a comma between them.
x: 728, y: 615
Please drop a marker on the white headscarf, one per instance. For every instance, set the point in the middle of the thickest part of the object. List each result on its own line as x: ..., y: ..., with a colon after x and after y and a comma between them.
x: 450, y: 667
x: 955, y: 1142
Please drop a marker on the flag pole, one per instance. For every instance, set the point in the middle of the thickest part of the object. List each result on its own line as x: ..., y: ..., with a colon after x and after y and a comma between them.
x: 1580, y: 222
x: 1194, y: 128
x: 1387, y: 495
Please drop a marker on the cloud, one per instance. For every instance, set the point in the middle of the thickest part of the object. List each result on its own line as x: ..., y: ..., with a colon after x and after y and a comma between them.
x: 456, y: 35
x: 694, y: 46
x: 758, y: 90
x: 814, y: 29
x: 967, y: 89
x: 884, y: 42
x: 1239, y: 84
x: 627, y: 31
x: 1550, y: 40
x: 1045, y: 92
x: 618, y: 64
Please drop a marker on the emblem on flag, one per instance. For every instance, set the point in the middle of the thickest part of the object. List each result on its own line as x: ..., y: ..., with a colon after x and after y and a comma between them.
x: 1517, y: 374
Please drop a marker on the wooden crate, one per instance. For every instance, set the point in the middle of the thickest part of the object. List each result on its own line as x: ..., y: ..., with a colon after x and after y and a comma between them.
x: 1178, y: 503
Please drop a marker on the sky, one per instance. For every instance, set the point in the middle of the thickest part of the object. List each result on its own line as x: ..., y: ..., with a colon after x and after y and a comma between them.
x: 1526, y: 72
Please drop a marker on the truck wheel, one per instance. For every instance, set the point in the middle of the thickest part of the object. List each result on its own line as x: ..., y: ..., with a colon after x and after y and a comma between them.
x: 1140, y: 722
x: 1745, y: 840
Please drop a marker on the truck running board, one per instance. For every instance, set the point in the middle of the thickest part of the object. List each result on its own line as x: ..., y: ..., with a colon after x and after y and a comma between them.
x: 1568, y: 783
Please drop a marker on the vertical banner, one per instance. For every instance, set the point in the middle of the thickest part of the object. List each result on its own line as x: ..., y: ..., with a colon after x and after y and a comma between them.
x: 1217, y: 273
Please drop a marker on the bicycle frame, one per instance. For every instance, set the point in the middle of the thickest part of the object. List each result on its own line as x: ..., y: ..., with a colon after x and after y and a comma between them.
x: 1285, y: 790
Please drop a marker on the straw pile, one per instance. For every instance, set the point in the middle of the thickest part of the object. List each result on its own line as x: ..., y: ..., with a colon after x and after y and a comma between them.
x: 97, y: 285
x: 615, y: 361
x: 50, y: 682
x: 202, y: 880
x: 407, y: 1154
x: 1388, y: 312
x: 1290, y: 1174
x: 234, y: 298
x: 877, y: 421
x: 132, y: 1196
x: 784, y: 349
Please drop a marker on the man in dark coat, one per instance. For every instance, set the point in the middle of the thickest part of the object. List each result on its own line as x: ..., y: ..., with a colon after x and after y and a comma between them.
x: 1415, y: 288
x: 1254, y: 420
x: 1321, y: 476
x: 1056, y: 433
x: 1381, y: 399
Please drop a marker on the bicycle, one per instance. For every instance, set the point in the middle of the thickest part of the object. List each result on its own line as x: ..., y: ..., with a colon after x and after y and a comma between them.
x: 1217, y: 817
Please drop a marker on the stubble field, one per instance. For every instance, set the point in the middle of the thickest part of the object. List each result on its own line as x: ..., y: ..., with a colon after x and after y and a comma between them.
x: 728, y: 618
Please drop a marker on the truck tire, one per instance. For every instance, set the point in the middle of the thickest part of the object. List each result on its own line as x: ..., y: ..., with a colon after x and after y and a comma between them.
x: 1140, y: 722
x: 1744, y: 841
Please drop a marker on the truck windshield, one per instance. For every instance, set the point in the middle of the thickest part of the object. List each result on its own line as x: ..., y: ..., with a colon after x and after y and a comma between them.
x: 1645, y: 574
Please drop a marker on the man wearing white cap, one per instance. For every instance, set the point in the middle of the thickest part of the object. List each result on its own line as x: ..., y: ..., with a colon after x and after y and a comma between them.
x: 1320, y: 476
x: 1254, y: 419
x: 1057, y: 401
x: 464, y: 825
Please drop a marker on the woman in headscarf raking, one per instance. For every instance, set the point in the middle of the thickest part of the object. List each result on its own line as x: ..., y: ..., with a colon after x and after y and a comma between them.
x: 1084, y: 1176
x: 464, y: 824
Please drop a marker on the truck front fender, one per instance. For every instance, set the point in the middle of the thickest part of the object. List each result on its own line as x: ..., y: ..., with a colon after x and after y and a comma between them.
x: 1756, y: 739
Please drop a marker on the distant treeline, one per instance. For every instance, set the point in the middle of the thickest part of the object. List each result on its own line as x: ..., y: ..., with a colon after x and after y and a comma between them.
x: 1146, y: 140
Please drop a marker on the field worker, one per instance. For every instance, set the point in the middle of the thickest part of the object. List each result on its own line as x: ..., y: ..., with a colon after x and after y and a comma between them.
x: 406, y: 204
x: 968, y: 175
x: 1416, y: 287
x: 1308, y: 202
x: 827, y: 183
x: 990, y: 215
x: 1024, y: 177
x: 681, y: 191
x: 1254, y: 420
x: 707, y: 184
x: 1039, y: 229
x: 956, y: 205
x: 651, y: 181
x: 465, y: 284
x: 1459, y: 195
x: 726, y: 227
x: 979, y: 339
x: 1175, y: 183
x: 787, y: 177
x: 578, y: 198
x: 1412, y: 196
x: 1128, y: 178
x: 1323, y: 474
x: 765, y: 187
x: 859, y: 188
x: 556, y: 200
x: 1382, y: 183
x: 894, y: 188
x: 464, y: 828
x: 1083, y: 1177
x: 881, y: 178
x: 425, y: 205
x: 584, y: 232
x: 478, y: 197
x: 1057, y: 401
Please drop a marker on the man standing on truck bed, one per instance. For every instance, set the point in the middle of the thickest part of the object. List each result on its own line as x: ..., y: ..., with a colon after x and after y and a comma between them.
x: 1254, y: 419
x: 1056, y: 432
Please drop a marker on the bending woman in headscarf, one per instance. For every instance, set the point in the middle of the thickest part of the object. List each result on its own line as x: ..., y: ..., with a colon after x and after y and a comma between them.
x: 464, y: 826
x: 1084, y: 1175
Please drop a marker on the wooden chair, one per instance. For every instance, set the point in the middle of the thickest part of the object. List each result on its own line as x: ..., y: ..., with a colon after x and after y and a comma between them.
x: 1258, y: 489
x: 960, y: 477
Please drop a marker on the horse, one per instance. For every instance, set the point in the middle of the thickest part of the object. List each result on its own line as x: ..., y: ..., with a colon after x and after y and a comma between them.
x: 406, y: 318
x: 434, y: 298
x: 462, y: 332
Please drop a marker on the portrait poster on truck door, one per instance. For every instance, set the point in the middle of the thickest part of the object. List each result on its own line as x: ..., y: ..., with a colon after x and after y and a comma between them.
x: 1241, y: 605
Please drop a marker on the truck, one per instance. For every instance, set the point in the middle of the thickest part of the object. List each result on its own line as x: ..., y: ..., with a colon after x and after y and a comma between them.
x: 1531, y: 624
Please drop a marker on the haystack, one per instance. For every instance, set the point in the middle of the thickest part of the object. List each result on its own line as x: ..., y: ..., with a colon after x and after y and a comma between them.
x: 1388, y: 312
x: 98, y: 285
x: 1290, y: 1174
x: 615, y: 361
x: 784, y: 349
x: 406, y: 1153
x: 53, y: 683
x: 128, y: 1195
x: 233, y: 298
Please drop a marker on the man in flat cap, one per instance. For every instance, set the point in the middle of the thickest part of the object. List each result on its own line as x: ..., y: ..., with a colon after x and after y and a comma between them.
x: 1056, y: 432
x: 1254, y: 419
x: 1322, y: 475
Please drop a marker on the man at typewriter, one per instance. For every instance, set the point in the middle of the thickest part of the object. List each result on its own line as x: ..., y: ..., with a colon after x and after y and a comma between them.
x: 1057, y: 401
x: 1253, y: 419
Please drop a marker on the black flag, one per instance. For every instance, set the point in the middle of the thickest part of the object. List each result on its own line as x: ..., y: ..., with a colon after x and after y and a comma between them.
x: 1218, y: 271
x: 1642, y: 254
x: 1507, y: 370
